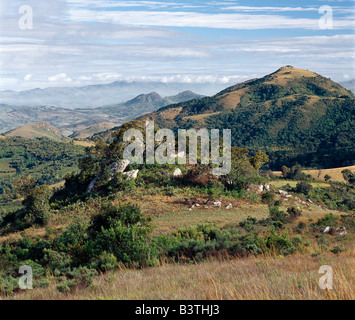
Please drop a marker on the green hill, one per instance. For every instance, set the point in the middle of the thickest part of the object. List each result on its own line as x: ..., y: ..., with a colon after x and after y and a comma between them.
x: 294, y: 115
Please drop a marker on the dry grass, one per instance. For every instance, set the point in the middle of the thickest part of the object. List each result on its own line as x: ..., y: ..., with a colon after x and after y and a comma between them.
x: 172, y: 213
x: 85, y: 143
x: 293, y: 183
x: 202, y: 116
x: 335, y: 173
x: 263, y: 278
x: 221, y: 217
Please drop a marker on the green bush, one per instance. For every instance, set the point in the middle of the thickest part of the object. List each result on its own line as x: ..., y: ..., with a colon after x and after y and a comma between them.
x: 293, y: 214
x: 122, y: 231
x: 275, y: 214
x: 107, y: 261
x: 303, y: 187
x: 268, y: 198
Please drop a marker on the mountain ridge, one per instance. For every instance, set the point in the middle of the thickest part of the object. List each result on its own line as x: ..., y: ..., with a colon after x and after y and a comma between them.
x: 69, y: 121
x: 97, y: 95
x: 289, y: 109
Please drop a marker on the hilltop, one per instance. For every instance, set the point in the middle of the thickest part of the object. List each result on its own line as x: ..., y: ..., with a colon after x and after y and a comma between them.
x: 295, y: 115
x: 37, y: 130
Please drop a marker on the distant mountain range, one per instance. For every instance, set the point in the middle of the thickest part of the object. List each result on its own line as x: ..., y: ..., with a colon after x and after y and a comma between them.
x: 71, y: 121
x: 294, y: 115
x: 94, y: 96
x: 350, y: 85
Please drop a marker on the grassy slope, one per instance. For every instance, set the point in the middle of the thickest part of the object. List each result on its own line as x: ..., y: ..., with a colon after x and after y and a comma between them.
x: 335, y: 173
x: 269, y: 278
x: 262, y: 277
x: 37, y: 130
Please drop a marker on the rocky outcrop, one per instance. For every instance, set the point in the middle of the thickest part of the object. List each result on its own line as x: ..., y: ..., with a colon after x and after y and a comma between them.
x: 118, y: 166
x: 131, y: 174
x: 177, y: 172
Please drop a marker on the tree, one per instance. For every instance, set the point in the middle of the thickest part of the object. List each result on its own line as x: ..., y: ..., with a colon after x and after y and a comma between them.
x: 327, y: 177
x: 285, y: 171
x: 242, y: 172
x: 349, y: 176
x: 24, y: 185
x: 37, y: 205
x: 259, y: 159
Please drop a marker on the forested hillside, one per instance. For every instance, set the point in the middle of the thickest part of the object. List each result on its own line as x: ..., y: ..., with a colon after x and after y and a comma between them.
x: 45, y: 160
x: 294, y: 115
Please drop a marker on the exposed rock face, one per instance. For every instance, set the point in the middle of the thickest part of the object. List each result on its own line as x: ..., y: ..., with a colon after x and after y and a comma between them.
x: 177, y: 172
x: 217, y: 204
x: 230, y: 206
x: 283, y: 193
x: 118, y: 166
x: 131, y: 174
x: 341, y: 231
x: 326, y: 229
x: 92, y: 185
x: 258, y: 188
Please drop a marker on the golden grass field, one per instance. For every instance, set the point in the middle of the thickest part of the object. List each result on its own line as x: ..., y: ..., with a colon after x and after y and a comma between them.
x: 254, y: 278
x: 334, y: 173
x: 83, y: 143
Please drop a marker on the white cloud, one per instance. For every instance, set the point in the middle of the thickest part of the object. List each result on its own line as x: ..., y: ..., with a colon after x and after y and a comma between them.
x: 59, y: 77
x: 202, y: 20
x: 27, y: 77
x: 84, y: 78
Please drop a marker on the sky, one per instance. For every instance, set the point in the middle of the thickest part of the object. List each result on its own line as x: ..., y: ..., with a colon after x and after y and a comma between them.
x: 60, y: 43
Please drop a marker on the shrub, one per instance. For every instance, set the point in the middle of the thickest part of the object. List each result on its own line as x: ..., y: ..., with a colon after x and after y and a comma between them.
x: 268, y: 198
x: 248, y: 224
x: 275, y: 214
x: 336, y: 250
x: 122, y: 231
x: 303, y: 187
x: 327, y: 220
x: 107, y: 261
x: 293, y: 214
x: 66, y: 285
x: 74, y: 242
x: 276, y: 243
x: 8, y: 284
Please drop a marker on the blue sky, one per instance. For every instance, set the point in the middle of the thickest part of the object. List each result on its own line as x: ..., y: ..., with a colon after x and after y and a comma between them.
x: 81, y: 42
